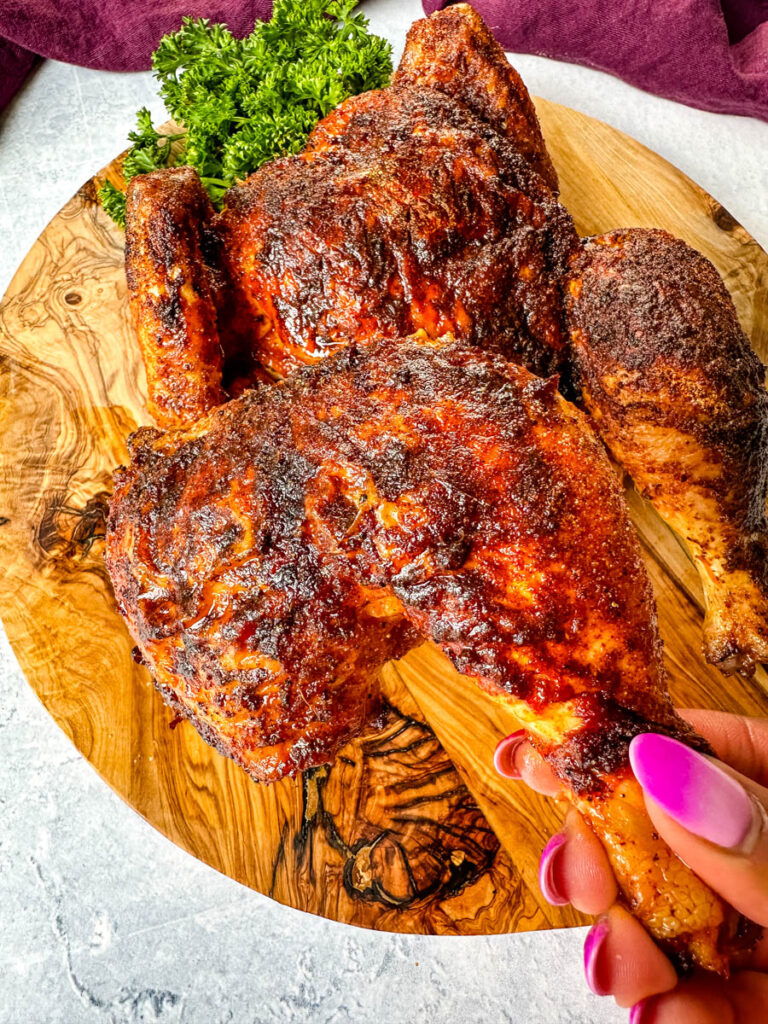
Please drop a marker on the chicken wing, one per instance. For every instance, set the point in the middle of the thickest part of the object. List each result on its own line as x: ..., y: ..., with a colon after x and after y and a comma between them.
x: 271, y: 557
x: 171, y: 288
x: 678, y: 395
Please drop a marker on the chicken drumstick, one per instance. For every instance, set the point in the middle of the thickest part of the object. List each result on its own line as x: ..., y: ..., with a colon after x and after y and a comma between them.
x: 678, y: 395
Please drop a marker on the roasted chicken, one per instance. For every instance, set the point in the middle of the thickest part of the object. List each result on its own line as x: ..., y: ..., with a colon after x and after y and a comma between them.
x: 405, y: 212
x: 272, y: 552
x: 271, y: 557
x: 455, y: 53
x: 678, y: 395
x: 432, y: 205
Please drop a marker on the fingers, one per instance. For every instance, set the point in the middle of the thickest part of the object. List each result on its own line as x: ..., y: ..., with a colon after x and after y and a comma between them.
x: 515, y: 758
x: 740, y: 742
x: 574, y: 869
x: 740, y: 1000
x: 715, y: 819
x: 620, y: 959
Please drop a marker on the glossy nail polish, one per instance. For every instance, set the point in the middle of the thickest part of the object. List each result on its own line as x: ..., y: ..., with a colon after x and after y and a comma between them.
x: 692, y: 789
x: 593, y: 966
x: 549, y: 858
x: 504, y: 755
x: 637, y: 1013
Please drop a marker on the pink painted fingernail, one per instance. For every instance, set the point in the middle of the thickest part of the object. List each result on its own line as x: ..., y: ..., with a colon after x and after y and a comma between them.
x: 504, y: 755
x: 593, y: 945
x: 637, y: 1012
x: 547, y: 864
x: 692, y: 789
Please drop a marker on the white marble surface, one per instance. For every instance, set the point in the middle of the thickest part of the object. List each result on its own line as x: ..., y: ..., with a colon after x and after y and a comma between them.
x: 101, y: 919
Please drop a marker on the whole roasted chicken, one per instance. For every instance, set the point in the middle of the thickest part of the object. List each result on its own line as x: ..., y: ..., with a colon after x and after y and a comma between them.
x: 427, y: 480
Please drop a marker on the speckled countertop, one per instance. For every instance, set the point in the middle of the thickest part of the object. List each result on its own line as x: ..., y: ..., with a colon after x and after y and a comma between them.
x: 101, y: 918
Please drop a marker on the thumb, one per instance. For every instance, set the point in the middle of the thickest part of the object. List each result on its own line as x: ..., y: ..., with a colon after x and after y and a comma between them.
x: 715, y: 819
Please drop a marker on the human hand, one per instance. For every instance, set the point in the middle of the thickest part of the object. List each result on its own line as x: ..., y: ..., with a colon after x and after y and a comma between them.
x: 714, y: 815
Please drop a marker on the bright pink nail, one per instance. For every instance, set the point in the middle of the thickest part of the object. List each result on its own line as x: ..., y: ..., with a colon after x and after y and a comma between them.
x: 594, y: 943
x: 504, y: 755
x: 637, y: 1012
x: 547, y: 864
x: 692, y: 789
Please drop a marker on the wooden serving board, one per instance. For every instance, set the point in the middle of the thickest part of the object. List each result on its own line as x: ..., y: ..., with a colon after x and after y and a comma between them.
x: 410, y: 829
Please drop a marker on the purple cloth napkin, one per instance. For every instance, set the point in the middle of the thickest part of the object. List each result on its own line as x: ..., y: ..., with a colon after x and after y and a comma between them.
x: 700, y: 52
x: 113, y: 35
x: 696, y: 51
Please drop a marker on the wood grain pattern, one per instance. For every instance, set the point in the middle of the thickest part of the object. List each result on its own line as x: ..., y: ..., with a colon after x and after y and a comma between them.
x: 409, y: 830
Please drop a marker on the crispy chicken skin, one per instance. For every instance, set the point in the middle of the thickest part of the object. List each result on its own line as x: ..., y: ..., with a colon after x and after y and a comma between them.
x: 171, y: 290
x: 678, y: 395
x: 404, y: 213
x: 413, y: 207
x: 455, y: 52
x: 268, y: 644
x: 269, y: 558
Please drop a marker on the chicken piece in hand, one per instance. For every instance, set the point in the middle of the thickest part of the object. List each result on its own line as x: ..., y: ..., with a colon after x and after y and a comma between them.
x: 271, y: 556
x: 677, y: 394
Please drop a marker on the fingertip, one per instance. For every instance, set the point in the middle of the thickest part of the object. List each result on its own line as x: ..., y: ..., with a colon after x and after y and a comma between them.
x: 584, y: 873
x: 620, y: 959
x: 536, y: 773
x: 515, y: 758
x: 505, y: 754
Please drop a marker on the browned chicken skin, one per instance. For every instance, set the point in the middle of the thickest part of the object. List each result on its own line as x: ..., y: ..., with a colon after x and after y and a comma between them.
x: 271, y: 557
x: 678, y: 395
x: 408, y: 210
x: 455, y: 52
x: 172, y: 291
x: 404, y: 213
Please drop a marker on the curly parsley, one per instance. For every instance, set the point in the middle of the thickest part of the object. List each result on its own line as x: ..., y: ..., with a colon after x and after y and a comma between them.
x: 241, y: 102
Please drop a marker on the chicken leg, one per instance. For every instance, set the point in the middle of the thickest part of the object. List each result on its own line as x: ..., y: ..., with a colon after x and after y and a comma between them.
x: 678, y: 396
x: 271, y: 557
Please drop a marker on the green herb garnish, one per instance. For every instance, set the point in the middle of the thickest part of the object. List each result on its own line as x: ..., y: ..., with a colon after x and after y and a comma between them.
x: 241, y: 102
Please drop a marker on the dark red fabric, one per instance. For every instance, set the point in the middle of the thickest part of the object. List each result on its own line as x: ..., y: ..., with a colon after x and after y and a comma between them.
x: 681, y: 49
x: 700, y: 52
x: 15, y: 65
x: 114, y: 35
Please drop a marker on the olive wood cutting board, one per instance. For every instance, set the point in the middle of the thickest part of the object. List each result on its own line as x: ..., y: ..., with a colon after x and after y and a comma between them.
x: 409, y: 830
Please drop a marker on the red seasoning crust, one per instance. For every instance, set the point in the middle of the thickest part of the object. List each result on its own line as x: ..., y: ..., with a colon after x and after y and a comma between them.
x: 271, y: 557
x: 172, y: 293
x: 425, y: 206
x: 676, y: 392
x: 404, y: 213
x: 455, y: 52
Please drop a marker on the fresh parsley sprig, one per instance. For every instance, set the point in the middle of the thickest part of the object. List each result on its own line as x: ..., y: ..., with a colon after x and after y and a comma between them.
x: 241, y: 102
